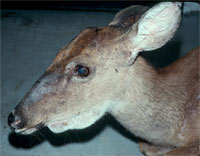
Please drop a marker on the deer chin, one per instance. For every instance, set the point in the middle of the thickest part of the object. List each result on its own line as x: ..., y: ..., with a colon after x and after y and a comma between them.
x: 78, y: 121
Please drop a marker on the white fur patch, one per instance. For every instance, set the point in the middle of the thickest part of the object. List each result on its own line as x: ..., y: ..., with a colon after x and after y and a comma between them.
x: 69, y: 67
x: 79, y: 120
x: 157, y: 26
x: 84, y: 120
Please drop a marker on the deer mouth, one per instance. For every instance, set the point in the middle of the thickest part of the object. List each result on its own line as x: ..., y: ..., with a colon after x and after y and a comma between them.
x: 18, y: 123
x: 29, y: 130
x: 25, y: 130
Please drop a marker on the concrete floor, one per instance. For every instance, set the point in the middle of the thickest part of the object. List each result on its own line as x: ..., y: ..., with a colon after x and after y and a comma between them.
x: 29, y: 42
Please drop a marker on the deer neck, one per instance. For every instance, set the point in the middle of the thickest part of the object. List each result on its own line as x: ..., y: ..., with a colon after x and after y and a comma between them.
x: 148, y: 97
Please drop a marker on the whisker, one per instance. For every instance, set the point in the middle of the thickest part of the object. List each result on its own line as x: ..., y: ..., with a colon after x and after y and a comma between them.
x: 65, y: 138
x: 30, y: 141
x: 78, y: 138
x: 38, y: 136
x: 42, y: 135
x: 70, y: 139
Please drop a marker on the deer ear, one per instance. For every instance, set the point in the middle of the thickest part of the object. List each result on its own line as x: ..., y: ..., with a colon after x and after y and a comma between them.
x: 128, y: 16
x: 155, y: 27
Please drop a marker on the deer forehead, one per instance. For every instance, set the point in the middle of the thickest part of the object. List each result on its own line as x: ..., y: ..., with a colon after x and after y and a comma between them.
x: 88, y: 44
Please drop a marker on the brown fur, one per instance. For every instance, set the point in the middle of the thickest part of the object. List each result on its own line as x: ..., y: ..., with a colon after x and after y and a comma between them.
x: 180, y: 83
x: 88, y: 39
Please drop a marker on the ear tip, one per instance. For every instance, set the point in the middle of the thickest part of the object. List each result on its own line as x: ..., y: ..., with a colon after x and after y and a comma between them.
x: 176, y: 4
x: 179, y: 4
x: 158, y: 25
x: 128, y: 16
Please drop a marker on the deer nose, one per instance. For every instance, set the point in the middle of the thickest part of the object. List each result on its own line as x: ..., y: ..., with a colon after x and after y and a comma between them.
x: 14, y: 121
x: 11, y: 119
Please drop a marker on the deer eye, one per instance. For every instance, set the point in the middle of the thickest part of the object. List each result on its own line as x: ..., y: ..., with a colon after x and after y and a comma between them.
x: 82, y: 70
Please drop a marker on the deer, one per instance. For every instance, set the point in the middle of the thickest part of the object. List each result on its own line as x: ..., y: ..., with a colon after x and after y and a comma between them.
x: 101, y: 72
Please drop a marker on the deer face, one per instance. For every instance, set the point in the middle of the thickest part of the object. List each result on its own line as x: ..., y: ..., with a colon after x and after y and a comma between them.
x: 86, y: 78
x: 79, y: 78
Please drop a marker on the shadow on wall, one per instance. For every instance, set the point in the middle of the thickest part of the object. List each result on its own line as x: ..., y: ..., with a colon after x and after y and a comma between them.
x: 164, y: 56
x: 71, y: 136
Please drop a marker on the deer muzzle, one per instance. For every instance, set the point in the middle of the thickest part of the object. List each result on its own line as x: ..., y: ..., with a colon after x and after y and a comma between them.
x: 27, y: 114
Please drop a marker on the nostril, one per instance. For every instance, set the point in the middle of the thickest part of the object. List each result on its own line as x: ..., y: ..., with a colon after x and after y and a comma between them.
x: 11, y: 119
x: 15, y: 121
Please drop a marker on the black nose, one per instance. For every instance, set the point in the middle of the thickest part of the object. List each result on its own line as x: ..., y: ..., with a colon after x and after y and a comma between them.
x: 14, y: 121
x: 11, y: 119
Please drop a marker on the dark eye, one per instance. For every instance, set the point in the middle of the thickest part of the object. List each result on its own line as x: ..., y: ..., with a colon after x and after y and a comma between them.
x: 82, y: 70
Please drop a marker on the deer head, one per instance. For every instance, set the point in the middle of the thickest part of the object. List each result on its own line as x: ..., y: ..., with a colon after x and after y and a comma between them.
x: 86, y: 77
